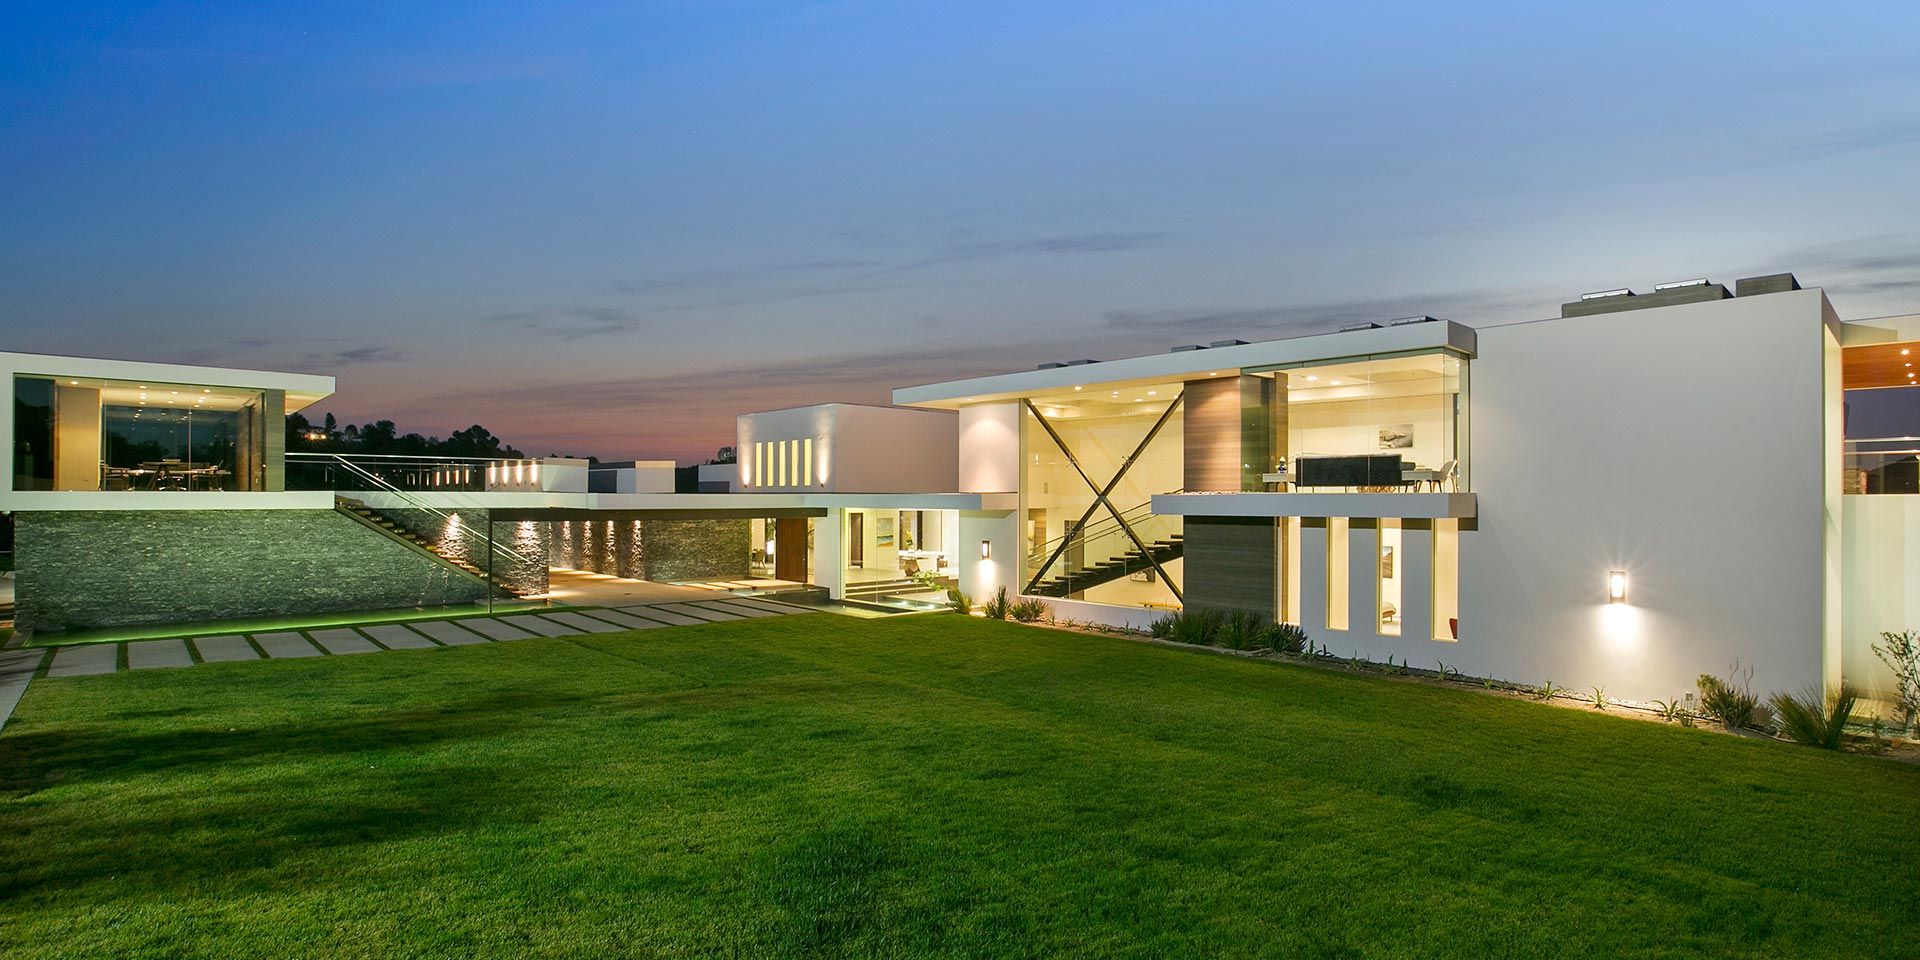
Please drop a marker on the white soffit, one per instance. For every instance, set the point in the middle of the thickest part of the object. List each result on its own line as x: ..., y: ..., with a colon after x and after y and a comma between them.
x: 1189, y: 364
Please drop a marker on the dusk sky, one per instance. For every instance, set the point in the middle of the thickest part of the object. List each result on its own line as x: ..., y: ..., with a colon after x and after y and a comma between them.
x: 609, y: 228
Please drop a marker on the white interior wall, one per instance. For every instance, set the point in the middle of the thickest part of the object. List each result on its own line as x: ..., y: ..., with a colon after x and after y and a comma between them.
x: 1353, y: 427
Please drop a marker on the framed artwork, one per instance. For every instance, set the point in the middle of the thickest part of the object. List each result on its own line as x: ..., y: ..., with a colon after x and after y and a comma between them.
x: 883, y: 531
x: 1396, y: 436
x: 1386, y: 563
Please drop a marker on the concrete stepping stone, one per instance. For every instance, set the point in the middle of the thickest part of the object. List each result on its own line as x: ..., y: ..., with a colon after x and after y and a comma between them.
x: 448, y: 632
x: 16, y: 671
x: 224, y: 649
x: 157, y: 654
x: 586, y: 623
x: 84, y: 659
x: 728, y: 606
x: 663, y: 616
x: 285, y: 646
x: 342, y: 641
x: 495, y: 629
x: 545, y: 628
x: 625, y: 620
x: 396, y: 636
x: 774, y: 606
x: 696, y: 610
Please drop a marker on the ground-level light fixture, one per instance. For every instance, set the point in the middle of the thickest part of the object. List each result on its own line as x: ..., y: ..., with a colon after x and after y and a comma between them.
x: 1617, y: 586
x: 986, y: 549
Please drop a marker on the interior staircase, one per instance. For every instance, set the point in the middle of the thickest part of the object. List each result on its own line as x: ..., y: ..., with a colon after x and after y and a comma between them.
x: 398, y: 531
x: 1106, y: 553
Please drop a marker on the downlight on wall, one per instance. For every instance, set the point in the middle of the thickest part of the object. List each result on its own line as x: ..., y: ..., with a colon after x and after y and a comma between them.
x: 986, y: 549
x: 1617, y: 586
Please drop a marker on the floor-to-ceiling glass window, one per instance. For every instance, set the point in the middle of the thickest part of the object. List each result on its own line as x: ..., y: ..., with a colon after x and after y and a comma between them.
x: 1127, y: 442
x: 1375, y: 423
x: 900, y: 557
x: 89, y: 434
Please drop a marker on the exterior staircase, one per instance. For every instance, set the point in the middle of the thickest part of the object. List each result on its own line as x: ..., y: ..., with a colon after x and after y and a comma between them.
x: 394, y: 530
x: 875, y: 589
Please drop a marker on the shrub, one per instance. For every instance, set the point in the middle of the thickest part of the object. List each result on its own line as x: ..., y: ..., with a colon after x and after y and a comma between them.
x: 1730, y: 701
x: 1286, y: 638
x: 1028, y: 610
x: 1901, y: 653
x: 998, y: 607
x: 959, y: 602
x: 1198, y: 627
x: 1814, y: 720
x: 1241, y: 630
x: 1162, y: 629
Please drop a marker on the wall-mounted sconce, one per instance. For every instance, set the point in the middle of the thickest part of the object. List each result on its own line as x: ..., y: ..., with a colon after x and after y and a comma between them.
x: 1617, y: 586
x: 986, y: 549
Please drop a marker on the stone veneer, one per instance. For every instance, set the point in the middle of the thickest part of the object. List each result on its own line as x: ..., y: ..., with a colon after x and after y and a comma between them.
x: 660, y: 550
x: 79, y: 569
x: 468, y: 541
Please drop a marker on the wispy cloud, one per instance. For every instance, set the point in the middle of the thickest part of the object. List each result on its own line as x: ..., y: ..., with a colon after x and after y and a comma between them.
x: 330, y: 360
x: 577, y: 322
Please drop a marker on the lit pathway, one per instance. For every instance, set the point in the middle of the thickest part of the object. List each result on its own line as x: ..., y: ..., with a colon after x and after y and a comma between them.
x: 82, y: 659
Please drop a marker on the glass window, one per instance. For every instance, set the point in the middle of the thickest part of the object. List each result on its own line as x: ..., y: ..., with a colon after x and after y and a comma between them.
x: 1446, y: 579
x: 32, y: 433
x: 1085, y: 440
x: 180, y: 443
x: 1378, y: 423
x: 1388, y: 607
x: 1337, y: 569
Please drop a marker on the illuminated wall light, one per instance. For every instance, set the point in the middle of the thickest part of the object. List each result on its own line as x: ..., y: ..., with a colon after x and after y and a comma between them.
x: 533, y: 473
x: 1617, y: 586
x: 986, y: 549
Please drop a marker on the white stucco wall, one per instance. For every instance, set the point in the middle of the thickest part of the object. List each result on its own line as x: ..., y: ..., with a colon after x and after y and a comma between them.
x: 1882, y: 592
x: 1684, y: 445
x: 856, y: 448
x: 989, y: 448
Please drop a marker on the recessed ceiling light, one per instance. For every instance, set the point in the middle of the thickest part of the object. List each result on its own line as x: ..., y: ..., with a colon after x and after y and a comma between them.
x: 1139, y: 399
x: 1076, y: 389
x: 1312, y: 377
x: 1213, y: 373
x: 1904, y: 351
x: 1152, y: 393
x: 73, y: 383
x: 207, y: 390
x: 1336, y: 383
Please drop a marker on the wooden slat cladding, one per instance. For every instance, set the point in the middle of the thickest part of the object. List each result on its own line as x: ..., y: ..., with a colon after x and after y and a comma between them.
x: 1231, y: 435
x: 1232, y: 563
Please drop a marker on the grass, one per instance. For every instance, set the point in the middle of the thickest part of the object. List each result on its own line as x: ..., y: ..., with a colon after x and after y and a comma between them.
x: 932, y: 785
x: 364, y: 618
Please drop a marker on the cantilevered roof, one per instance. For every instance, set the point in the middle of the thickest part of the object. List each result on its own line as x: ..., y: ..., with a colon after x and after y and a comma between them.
x: 1191, y: 364
x: 302, y: 389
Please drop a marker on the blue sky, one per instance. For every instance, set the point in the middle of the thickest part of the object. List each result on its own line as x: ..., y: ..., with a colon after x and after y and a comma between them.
x: 610, y: 228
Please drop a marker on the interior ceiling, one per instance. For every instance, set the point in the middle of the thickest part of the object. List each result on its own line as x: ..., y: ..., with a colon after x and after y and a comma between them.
x: 1880, y: 365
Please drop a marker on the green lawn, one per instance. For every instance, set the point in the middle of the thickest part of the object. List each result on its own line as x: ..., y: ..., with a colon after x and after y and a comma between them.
x: 938, y: 786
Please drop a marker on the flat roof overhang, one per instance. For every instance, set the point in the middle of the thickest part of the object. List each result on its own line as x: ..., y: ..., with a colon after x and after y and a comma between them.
x: 1403, y: 506
x: 301, y: 389
x: 1192, y: 364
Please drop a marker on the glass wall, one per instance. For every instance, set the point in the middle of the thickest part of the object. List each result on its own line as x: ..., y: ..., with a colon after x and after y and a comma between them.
x: 1077, y: 443
x: 107, y: 435
x: 900, y: 557
x: 1394, y: 423
x: 32, y: 433
x: 1882, y: 451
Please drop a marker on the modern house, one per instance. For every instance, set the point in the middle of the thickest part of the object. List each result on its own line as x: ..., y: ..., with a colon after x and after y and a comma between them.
x: 1642, y: 489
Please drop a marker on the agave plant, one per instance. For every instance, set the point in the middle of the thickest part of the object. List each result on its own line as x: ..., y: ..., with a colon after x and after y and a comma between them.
x: 1813, y: 719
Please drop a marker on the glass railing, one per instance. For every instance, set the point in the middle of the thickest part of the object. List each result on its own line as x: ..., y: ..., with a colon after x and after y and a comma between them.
x: 1102, y: 552
x: 422, y: 474
x: 1881, y: 465
x: 1372, y: 472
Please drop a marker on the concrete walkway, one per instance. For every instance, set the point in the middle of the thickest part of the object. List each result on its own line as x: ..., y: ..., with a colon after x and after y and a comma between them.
x: 19, y: 666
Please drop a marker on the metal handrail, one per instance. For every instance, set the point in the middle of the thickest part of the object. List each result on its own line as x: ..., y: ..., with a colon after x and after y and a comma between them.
x: 383, y: 486
x: 1101, y: 529
x: 425, y: 457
